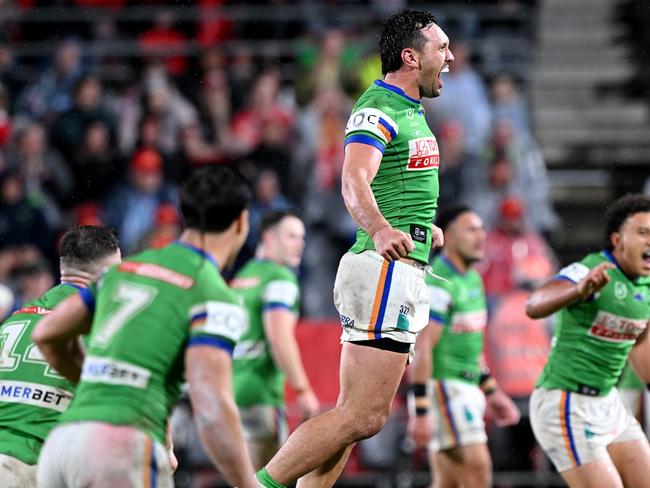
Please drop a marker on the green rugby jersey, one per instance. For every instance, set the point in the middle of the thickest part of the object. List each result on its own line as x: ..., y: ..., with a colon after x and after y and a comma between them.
x: 264, y: 285
x: 593, y: 337
x: 147, y: 311
x: 32, y: 394
x: 406, y: 185
x: 459, y: 307
x: 629, y: 380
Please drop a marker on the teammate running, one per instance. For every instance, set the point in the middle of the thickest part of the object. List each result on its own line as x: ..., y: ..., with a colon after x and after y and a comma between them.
x: 603, y: 305
x: 161, y: 316
x: 450, y: 350
x: 390, y: 187
x: 268, y: 352
x: 32, y: 394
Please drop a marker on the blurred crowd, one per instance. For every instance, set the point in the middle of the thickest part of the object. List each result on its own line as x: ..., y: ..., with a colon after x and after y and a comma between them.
x: 77, y: 147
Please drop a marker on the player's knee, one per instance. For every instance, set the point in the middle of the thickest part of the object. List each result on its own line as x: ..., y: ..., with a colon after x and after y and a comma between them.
x: 369, y: 425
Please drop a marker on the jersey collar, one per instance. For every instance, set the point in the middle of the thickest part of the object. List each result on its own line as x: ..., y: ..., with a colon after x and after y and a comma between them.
x: 610, y: 257
x: 198, y: 251
x: 451, y: 265
x: 395, y: 89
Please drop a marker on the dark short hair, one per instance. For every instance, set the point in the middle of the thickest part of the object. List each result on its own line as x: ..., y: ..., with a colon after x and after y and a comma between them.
x: 213, y: 197
x: 449, y: 214
x: 81, y: 247
x: 620, y: 210
x: 271, y: 219
x: 399, y: 31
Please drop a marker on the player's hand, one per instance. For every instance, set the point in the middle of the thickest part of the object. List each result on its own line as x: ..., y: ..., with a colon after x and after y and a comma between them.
x: 437, y: 237
x: 595, y: 280
x: 173, y: 461
x: 502, y: 409
x: 392, y: 244
x: 308, y: 404
x: 420, y: 430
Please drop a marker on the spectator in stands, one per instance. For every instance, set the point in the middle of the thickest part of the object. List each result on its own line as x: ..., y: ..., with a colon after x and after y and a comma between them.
x: 508, y: 104
x: 131, y: 206
x: 463, y: 83
x: 6, y: 123
x: 69, y: 128
x: 166, y: 43
x: 214, y: 27
x: 93, y: 163
x: 210, y: 141
x: 22, y: 220
x: 51, y: 94
x: 248, y: 124
x: 47, y: 177
x: 511, y: 249
x: 530, y: 179
x: 167, y: 227
x: 34, y: 279
x: 267, y: 198
x: 333, y: 65
x: 163, y: 104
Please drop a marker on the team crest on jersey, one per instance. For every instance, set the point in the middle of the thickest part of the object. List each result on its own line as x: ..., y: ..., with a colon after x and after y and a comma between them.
x: 620, y: 290
x: 613, y: 328
x: 423, y: 154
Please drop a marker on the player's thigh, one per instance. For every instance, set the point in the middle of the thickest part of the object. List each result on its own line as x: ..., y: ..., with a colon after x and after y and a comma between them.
x: 16, y: 474
x: 596, y: 474
x: 369, y: 379
x: 632, y: 460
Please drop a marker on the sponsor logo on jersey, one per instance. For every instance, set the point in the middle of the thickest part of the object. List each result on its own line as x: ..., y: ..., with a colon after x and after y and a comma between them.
x: 33, y: 311
x: 219, y: 318
x: 418, y: 233
x: 465, y: 322
x: 242, y: 283
x: 374, y: 121
x: 249, y: 349
x: 43, y: 396
x: 111, y: 371
x: 423, y: 154
x: 157, y: 272
x: 613, y: 328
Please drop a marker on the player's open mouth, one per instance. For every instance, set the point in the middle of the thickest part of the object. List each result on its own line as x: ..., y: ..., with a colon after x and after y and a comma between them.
x: 445, y: 69
x: 646, y: 258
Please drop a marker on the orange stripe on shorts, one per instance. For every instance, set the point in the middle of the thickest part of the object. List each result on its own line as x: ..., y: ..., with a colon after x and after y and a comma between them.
x: 377, y: 303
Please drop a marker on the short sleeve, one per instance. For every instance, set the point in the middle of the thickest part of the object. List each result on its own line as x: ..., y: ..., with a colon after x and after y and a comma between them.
x: 217, y: 323
x: 439, y: 304
x: 371, y: 126
x: 88, y: 296
x: 280, y: 294
x: 573, y: 272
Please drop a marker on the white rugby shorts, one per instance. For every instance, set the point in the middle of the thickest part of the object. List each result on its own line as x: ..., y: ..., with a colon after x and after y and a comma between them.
x: 379, y: 299
x: 16, y: 474
x: 103, y: 455
x: 457, y: 411
x: 575, y: 429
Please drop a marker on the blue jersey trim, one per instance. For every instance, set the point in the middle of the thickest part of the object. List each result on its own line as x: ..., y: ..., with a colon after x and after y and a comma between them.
x: 72, y: 285
x: 154, y: 467
x: 436, y: 318
x: 563, y: 278
x: 388, y: 127
x: 451, y: 265
x: 199, y: 251
x: 88, y: 299
x: 364, y: 139
x: 211, y: 341
x: 275, y: 306
x: 395, y: 89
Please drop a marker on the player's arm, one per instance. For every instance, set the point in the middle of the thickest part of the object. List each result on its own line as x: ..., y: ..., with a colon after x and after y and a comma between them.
x: 57, y: 335
x: 360, y: 166
x: 419, y: 426
x: 209, y: 372
x: 279, y: 327
x: 574, y: 283
x: 640, y: 356
x: 499, y: 405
